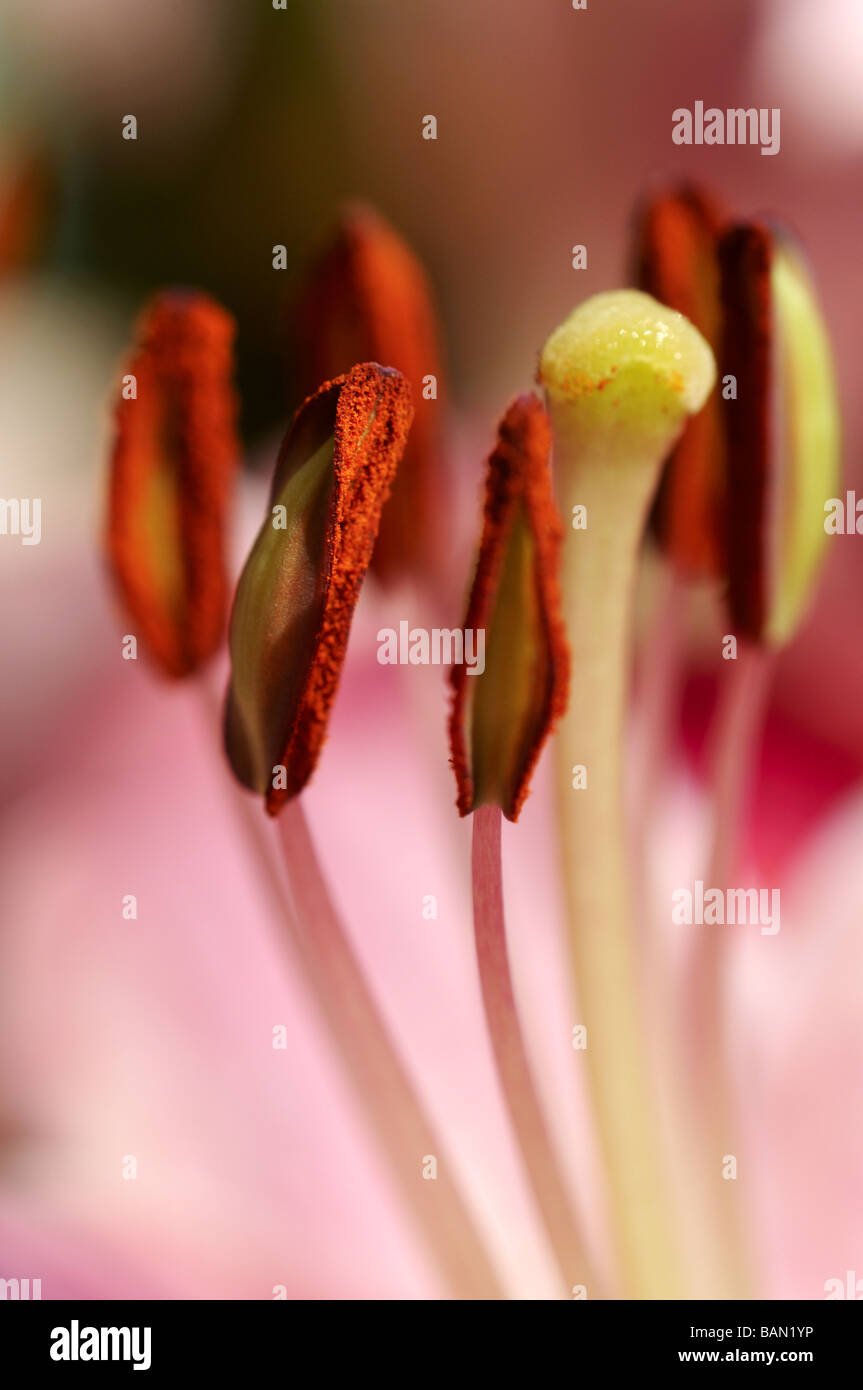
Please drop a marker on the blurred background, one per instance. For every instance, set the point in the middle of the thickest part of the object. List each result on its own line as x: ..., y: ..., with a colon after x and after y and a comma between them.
x: 254, y: 125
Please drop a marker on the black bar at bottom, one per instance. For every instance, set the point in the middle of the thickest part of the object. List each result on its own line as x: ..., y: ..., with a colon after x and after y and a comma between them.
x: 210, y: 1339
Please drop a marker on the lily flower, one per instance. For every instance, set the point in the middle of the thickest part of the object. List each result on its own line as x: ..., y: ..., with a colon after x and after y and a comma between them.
x: 502, y: 1125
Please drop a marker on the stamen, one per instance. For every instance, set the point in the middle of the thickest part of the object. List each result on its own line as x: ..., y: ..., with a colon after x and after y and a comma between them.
x: 501, y: 719
x: 783, y: 462
x: 369, y: 300
x: 297, y: 593
x: 782, y: 432
x: 172, y: 469
x: 499, y: 723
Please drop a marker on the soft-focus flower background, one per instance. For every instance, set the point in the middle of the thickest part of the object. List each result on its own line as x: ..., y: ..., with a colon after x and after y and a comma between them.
x: 153, y: 1038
